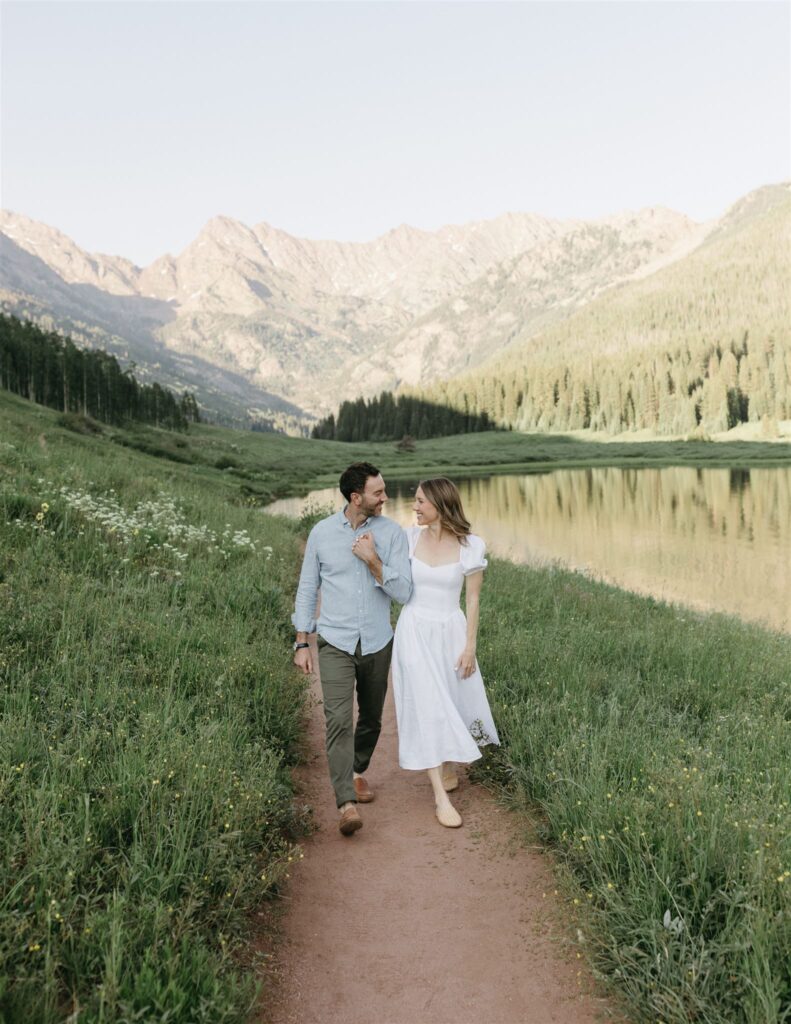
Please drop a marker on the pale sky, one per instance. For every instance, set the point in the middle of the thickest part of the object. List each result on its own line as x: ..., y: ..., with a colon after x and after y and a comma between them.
x: 127, y: 125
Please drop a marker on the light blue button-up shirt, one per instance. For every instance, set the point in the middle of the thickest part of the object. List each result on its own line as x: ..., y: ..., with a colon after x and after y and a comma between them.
x: 354, y: 607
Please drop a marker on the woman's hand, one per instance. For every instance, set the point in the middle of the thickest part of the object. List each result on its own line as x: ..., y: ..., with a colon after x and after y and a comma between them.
x: 465, y: 666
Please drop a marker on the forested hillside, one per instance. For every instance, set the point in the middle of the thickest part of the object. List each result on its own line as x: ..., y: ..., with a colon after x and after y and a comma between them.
x: 704, y: 343
x: 51, y: 370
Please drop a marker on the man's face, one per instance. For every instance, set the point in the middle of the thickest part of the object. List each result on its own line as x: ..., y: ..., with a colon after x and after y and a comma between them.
x: 374, y: 496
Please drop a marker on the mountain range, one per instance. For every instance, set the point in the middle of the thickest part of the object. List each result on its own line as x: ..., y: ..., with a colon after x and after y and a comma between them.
x: 261, y: 324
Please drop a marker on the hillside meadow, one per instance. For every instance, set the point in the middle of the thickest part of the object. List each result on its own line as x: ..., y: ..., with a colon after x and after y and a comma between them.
x: 151, y: 717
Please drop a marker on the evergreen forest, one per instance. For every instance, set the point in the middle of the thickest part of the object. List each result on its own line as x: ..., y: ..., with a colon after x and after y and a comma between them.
x: 389, y: 418
x: 50, y: 369
x: 696, y: 348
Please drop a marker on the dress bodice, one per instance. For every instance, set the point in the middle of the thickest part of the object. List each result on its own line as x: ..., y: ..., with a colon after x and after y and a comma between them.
x: 436, y: 589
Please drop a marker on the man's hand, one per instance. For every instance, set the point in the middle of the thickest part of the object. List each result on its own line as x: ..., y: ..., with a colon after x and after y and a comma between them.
x: 304, y: 660
x: 364, y: 548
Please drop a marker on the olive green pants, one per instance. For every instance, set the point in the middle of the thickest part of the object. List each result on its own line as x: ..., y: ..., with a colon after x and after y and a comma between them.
x: 349, y: 750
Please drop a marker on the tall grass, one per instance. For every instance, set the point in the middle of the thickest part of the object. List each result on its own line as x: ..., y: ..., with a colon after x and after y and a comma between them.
x: 150, y: 714
x: 149, y: 717
x: 656, y: 743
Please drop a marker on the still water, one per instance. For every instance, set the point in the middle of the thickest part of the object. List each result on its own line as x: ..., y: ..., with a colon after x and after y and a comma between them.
x: 716, y: 539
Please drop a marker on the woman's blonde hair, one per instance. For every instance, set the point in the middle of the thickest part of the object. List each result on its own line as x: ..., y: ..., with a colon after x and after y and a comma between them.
x: 444, y: 496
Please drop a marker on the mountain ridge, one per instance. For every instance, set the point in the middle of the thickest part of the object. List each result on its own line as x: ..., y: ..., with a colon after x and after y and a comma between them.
x: 316, y: 321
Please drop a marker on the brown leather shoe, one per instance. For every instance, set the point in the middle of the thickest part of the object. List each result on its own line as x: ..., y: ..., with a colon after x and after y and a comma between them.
x: 350, y: 822
x: 363, y: 791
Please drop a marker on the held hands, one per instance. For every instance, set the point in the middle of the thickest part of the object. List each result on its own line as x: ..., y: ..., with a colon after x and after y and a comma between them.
x: 303, y: 660
x: 364, y: 548
x: 465, y: 665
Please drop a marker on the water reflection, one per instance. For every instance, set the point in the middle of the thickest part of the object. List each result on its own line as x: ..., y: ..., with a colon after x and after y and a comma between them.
x: 711, y: 538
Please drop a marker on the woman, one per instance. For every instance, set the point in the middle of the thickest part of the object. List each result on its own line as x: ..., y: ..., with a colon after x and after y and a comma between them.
x: 441, y: 707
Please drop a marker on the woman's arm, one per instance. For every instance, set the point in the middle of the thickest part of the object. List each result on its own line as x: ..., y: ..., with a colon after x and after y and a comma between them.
x: 466, y: 663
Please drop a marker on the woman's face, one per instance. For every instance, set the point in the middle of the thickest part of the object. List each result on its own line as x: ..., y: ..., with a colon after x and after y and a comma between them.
x: 426, y: 512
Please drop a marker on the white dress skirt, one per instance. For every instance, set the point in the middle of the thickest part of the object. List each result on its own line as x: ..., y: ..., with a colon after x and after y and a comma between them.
x: 441, y: 717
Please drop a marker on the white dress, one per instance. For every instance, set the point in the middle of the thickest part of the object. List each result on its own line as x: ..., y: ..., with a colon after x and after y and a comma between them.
x: 441, y: 717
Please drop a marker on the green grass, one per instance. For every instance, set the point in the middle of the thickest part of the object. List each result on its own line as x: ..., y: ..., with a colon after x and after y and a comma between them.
x: 290, y: 465
x: 655, y: 743
x: 257, y: 468
x: 150, y: 717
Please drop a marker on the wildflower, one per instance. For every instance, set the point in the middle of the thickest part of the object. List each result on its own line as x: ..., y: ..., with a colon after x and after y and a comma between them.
x: 673, y: 924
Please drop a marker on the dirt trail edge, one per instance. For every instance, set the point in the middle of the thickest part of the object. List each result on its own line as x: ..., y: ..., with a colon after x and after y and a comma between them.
x: 407, y: 922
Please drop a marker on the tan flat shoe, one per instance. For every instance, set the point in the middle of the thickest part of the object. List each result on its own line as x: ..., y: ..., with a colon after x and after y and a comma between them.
x: 449, y: 817
x: 450, y: 780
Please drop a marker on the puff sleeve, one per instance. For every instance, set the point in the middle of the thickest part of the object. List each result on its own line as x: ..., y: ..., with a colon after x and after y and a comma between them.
x: 473, y: 555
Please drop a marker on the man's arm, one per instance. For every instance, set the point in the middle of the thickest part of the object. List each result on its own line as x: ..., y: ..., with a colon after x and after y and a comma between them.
x: 304, y: 617
x: 393, y: 576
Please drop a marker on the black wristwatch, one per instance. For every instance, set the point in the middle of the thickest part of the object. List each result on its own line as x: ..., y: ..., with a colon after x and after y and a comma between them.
x: 298, y: 646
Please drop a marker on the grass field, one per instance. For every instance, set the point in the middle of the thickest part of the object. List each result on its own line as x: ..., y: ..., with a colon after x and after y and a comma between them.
x: 655, y: 743
x: 150, y: 716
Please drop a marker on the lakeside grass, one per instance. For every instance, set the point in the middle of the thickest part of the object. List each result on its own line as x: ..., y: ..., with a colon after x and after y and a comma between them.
x: 258, y: 468
x: 150, y: 716
x: 655, y: 743
x: 619, y: 716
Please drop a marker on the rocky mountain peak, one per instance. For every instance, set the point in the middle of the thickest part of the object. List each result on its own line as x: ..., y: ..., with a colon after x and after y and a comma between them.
x: 316, y: 321
x: 111, y: 274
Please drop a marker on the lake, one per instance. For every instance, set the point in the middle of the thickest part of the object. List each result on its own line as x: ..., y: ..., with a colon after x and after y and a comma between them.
x: 712, y: 539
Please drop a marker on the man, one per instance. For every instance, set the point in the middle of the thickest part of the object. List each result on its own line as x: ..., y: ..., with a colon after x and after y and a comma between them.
x: 360, y: 559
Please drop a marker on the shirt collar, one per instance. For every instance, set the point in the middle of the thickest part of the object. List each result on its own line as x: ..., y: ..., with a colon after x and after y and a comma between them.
x: 345, y: 521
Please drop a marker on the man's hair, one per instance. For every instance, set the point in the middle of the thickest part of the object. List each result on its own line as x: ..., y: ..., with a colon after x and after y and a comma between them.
x: 353, y: 478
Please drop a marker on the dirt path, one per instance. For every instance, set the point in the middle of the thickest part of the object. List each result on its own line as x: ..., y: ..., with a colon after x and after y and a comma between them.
x: 410, y: 923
